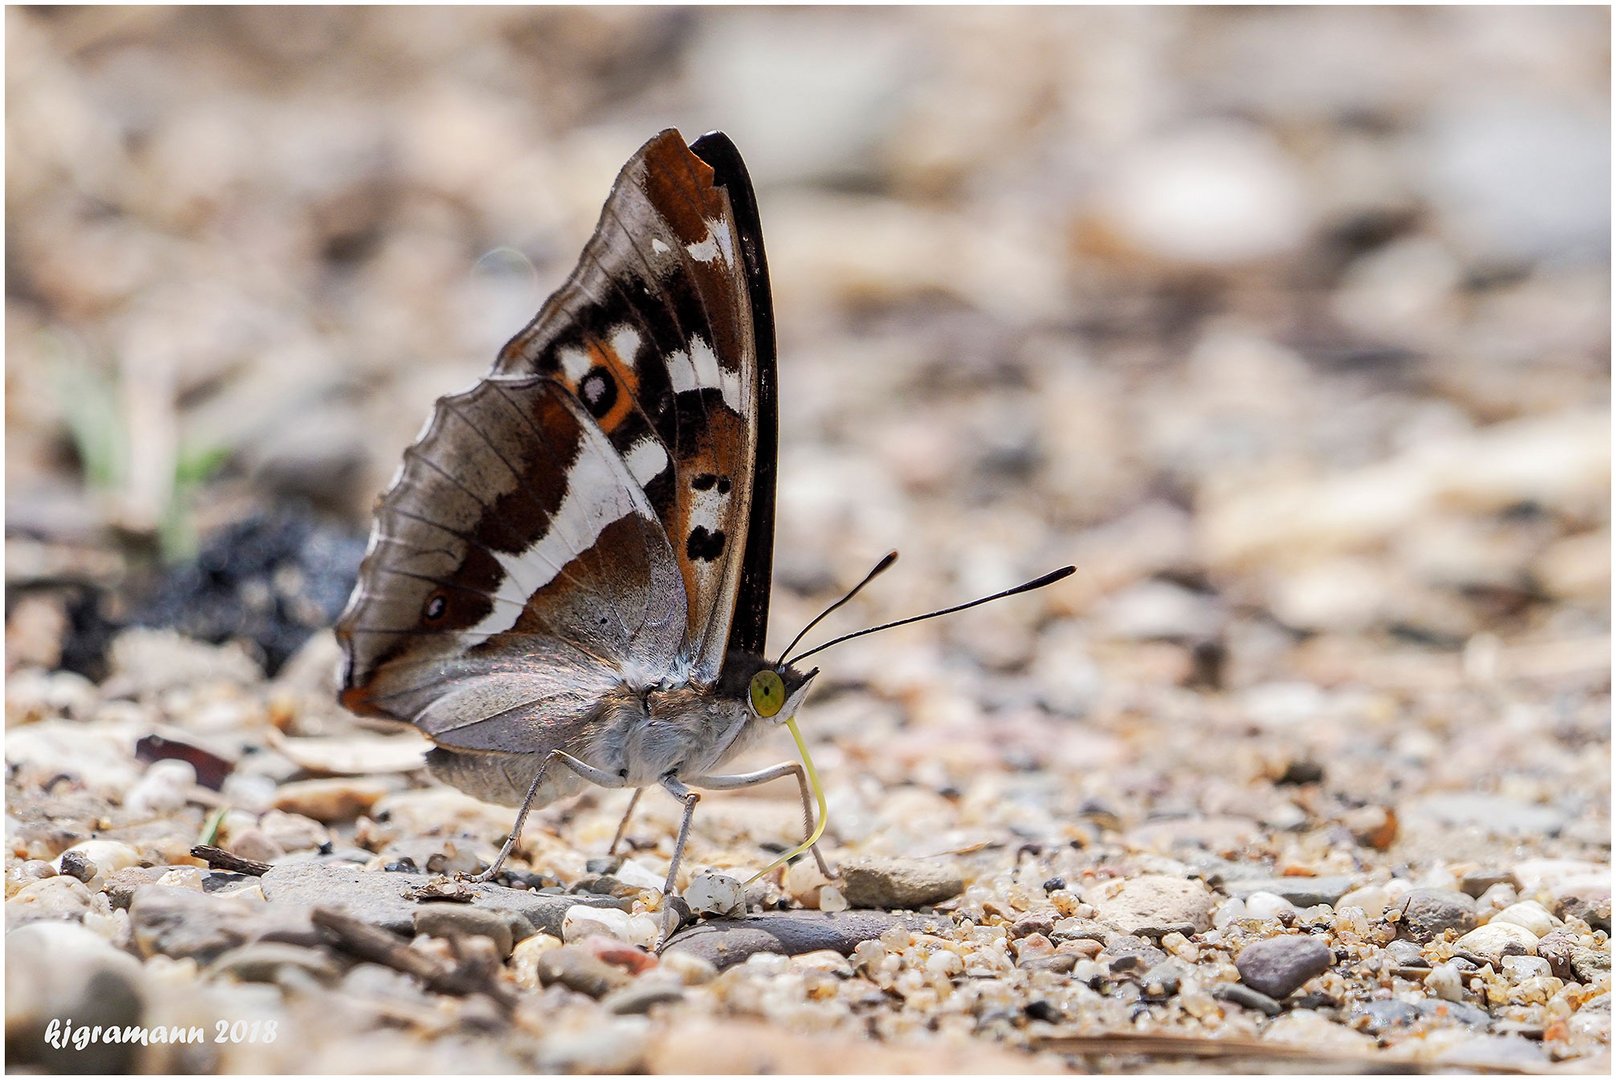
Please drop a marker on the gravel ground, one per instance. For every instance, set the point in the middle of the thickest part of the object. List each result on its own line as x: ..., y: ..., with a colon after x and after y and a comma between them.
x: 1289, y: 328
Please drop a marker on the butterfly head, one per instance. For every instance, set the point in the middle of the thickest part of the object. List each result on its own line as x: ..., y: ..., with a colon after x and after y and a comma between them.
x: 772, y: 691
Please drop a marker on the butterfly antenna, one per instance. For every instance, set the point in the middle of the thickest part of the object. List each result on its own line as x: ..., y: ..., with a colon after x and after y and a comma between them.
x: 1026, y: 586
x: 886, y: 561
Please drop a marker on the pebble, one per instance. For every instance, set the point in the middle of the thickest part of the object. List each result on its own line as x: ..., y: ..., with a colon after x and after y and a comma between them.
x: 1522, y: 967
x: 643, y: 995
x: 59, y: 897
x: 1496, y: 940
x: 1378, y: 1016
x: 1371, y: 900
x: 60, y: 971
x: 166, y: 786
x: 726, y: 942
x: 1446, y: 982
x: 581, y: 921
x: 1590, y: 906
x: 264, y: 961
x: 1465, y: 1013
x: 630, y: 958
x: 188, y: 923
x: 1303, y: 892
x: 712, y: 893
x: 1247, y: 998
x: 1279, y: 965
x: 466, y: 920
x: 1406, y: 953
x: 1529, y: 914
x: 1590, y: 965
x: 577, y: 969
x: 902, y: 884
x: 1479, y: 881
x: 120, y: 886
x: 107, y: 857
x: 1153, y: 905
x: 1267, y: 906
x: 340, y: 798
x: 1494, y: 813
x: 524, y: 960
x: 379, y: 897
x: 1426, y: 913
x: 691, y: 969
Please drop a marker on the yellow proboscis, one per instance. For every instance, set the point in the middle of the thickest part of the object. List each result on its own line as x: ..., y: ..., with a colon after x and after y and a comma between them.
x: 819, y: 797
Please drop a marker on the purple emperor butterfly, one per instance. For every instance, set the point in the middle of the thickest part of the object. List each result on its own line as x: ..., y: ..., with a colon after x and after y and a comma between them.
x: 568, y: 580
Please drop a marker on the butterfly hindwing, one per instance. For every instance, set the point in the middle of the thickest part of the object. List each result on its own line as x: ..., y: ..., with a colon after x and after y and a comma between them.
x: 515, y: 560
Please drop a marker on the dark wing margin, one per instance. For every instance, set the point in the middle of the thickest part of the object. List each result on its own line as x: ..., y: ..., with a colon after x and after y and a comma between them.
x: 750, y: 626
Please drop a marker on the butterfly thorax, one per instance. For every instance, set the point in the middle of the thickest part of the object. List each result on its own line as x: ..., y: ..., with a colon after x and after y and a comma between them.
x: 690, y: 730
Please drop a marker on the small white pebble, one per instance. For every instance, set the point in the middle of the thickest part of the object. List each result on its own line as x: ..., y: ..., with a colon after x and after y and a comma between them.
x: 1230, y: 911
x: 183, y: 877
x: 1371, y: 900
x: 712, y: 893
x: 581, y: 920
x: 1445, y: 982
x: 1517, y: 969
x: 1267, y: 905
x: 109, y: 856
x: 1529, y: 914
x: 639, y: 875
x: 944, y: 963
x: 691, y: 970
x: 167, y: 785
x: 831, y: 899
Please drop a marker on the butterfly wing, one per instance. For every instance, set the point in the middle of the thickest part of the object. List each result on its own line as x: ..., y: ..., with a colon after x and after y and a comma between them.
x: 589, y: 517
x: 665, y: 333
x: 516, y: 574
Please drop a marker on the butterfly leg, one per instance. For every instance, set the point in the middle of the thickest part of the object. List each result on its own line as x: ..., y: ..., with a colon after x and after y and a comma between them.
x: 763, y: 776
x: 690, y: 799
x: 595, y: 776
x: 622, y: 826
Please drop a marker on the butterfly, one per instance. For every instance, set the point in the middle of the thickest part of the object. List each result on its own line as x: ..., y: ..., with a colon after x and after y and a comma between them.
x: 568, y: 581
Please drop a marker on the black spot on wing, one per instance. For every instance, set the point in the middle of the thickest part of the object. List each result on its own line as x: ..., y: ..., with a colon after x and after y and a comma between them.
x: 599, y: 392
x: 704, y: 545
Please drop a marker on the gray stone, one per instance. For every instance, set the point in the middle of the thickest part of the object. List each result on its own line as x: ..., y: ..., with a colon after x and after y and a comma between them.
x: 726, y: 942
x: 903, y: 884
x: 576, y: 968
x: 267, y: 961
x: 1303, y: 892
x: 1279, y: 965
x: 1425, y: 913
x: 1466, y: 1014
x: 640, y: 997
x: 1590, y: 965
x: 463, y: 920
x: 1126, y: 953
x: 60, y: 971
x: 1153, y: 905
x: 174, y: 921
x: 1590, y: 905
x: 1375, y: 1017
x: 379, y: 897
x: 1494, y: 813
x: 1474, y: 884
x: 120, y: 885
x: 1406, y: 953
x: 1165, y: 978
x: 1247, y: 998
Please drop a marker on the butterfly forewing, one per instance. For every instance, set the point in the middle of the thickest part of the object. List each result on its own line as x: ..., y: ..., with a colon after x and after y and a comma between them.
x: 654, y: 333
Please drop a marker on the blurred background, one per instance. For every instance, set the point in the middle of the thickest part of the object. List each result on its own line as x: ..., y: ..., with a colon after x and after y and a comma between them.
x: 1289, y: 327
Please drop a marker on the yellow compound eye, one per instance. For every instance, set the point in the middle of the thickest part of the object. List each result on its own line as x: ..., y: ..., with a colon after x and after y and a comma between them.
x: 768, y: 692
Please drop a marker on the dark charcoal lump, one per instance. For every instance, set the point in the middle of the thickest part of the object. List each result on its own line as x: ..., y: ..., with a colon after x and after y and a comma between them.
x: 272, y: 579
